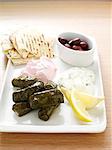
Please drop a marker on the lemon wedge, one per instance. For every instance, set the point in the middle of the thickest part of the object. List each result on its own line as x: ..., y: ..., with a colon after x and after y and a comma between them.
x: 79, y: 108
x: 88, y: 100
x: 80, y: 102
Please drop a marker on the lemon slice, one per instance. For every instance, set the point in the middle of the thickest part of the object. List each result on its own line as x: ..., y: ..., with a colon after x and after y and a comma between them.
x: 80, y: 102
x: 88, y: 100
x: 79, y: 108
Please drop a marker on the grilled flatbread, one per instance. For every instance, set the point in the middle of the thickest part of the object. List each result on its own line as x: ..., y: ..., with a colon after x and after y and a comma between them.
x: 27, y: 41
x: 6, y: 44
x: 25, y: 44
x: 20, y: 61
x: 16, y: 58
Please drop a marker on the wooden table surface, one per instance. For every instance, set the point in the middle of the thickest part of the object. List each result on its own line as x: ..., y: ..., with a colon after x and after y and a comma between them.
x: 92, y: 18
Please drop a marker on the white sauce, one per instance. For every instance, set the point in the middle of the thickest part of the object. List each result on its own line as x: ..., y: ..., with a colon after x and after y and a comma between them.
x: 82, y: 79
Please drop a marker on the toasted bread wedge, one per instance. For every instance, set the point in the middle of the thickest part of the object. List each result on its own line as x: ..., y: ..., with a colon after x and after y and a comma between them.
x: 30, y: 41
x: 25, y: 44
x: 6, y: 44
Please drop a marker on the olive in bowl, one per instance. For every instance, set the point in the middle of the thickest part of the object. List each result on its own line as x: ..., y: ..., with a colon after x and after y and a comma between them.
x: 76, y: 49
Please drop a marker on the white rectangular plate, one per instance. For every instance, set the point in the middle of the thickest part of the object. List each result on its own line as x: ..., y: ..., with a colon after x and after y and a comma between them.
x: 63, y: 119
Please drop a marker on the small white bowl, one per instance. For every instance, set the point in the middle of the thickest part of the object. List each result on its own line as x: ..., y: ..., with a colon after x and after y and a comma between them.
x: 73, y: 57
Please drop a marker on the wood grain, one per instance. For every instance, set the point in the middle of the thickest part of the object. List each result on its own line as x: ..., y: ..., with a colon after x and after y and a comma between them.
x: 91, y: 17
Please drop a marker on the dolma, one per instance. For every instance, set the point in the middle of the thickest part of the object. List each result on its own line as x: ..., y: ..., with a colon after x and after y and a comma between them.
x: 21, y: 108
x: 45, y: 113
x: 23, y: 81
x: 50, y: 85
x: 22, y: 95
x: 52, y: 97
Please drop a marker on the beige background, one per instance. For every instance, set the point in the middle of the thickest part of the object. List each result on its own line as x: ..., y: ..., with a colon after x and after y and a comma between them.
x: 91, y: 17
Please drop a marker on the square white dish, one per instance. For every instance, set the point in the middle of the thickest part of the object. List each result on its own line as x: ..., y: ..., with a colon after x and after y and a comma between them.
x: 62, y: 120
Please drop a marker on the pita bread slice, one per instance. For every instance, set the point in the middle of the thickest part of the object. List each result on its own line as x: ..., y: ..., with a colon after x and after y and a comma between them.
x: 16, y: 38
x: 26, y: 41
x: 20, y: 61
x: 6, y: 45
x: 12, y: 54
x: 16, y: 58
x: 49, y: 50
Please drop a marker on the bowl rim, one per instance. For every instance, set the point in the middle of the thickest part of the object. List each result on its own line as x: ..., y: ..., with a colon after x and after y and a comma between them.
x: 74, y: 51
